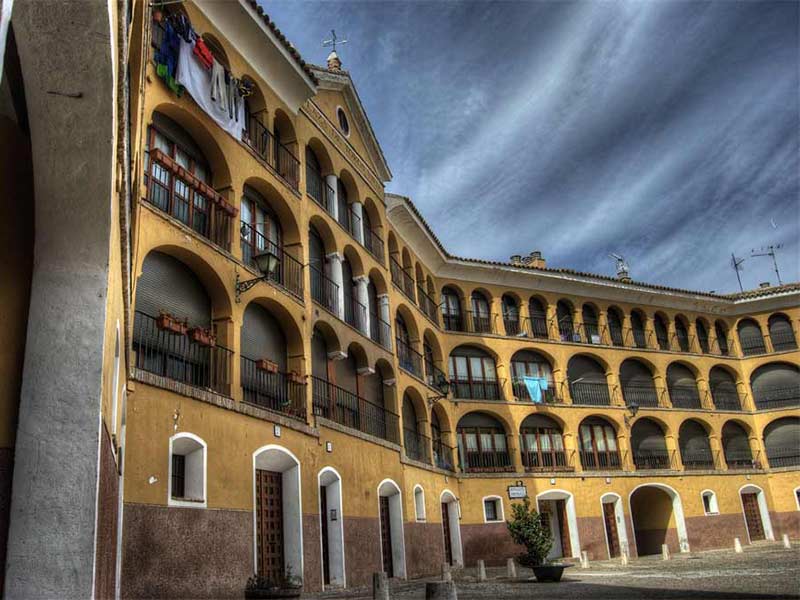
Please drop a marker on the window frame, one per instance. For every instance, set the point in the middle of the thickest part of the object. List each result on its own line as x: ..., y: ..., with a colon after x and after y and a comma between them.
x: 712, y: 503
x: 184, y: 502
x: 499, y: 510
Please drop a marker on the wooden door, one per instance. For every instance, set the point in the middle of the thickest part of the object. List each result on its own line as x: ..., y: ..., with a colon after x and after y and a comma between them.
x: 323, y: 513
x: 610, y: 518
x: 563, y: 527
x: 269, y: 524
x: 752, y: 516
x: 448, y: 548
x: 386, y: 537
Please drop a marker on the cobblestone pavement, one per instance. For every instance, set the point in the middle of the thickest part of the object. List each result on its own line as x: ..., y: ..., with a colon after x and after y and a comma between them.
x: 763, y: 571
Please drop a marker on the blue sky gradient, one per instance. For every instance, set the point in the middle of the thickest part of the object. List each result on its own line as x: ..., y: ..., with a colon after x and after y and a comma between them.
x: 663, y: 131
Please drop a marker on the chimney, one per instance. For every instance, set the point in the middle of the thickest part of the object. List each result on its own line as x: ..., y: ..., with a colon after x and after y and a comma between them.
x: 516, y: 259
x: 536, y: 260
x: 334, y: 64
x: 764, y: 284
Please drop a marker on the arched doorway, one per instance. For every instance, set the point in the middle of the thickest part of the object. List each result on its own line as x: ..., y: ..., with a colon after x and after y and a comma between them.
x: 557, y: 508
x: 614, y: 525
x: 331, y: 527
x: 277, y: 513
x: 392, y: 544
x: 451, y: 529
x: 756, y: 513
x: 657, y: 517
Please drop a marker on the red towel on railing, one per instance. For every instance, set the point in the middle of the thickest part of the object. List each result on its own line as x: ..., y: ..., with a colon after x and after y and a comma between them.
x: 203, y: 54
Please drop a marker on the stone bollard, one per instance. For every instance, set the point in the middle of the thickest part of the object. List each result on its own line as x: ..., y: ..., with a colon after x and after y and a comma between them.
x: 511, y: 566
x: 481, y: 570
x: 584, y: 559
x: 737, y: 546
x: 664, y: 551
x: 786, y: 542
x: 446, y: 575
x: 380, y: 586
x: 440, y: 590
x: 623, y: 557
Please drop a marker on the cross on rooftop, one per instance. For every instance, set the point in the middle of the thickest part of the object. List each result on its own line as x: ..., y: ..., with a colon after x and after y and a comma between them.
x: 333, y: 41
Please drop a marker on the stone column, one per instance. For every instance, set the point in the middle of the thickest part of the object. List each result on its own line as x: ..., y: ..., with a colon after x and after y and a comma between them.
x: 333, y: 199
x: 358, y: 211
x: 335, y: 275
x: 627, y: 331
x: 552, y: 321
x: 363, y: 297
x: 602, y: 325
x: 384, y: 314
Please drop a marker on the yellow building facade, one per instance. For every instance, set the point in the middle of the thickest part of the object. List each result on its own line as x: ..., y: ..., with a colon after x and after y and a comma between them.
x: 309, y: 387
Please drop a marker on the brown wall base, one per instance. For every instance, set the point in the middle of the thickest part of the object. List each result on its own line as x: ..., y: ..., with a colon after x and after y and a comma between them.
x: 312, y: 554
x: 362, y: 550
x: 593, y: 537
x: 715, y: 531
x: 424, y: 549
x: 786, y: 522
x: 490, y: 542
x: 107, y: 508
x: 649, y: 541
x: 186, y: 552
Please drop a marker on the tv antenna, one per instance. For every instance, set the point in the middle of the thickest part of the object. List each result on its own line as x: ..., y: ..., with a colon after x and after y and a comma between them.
x: 623, y: 270
x: 333, y: 41
x: 736, y: 263
x: 770, y: 251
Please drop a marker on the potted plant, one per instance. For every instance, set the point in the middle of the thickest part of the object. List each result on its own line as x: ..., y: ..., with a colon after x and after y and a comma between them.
x: 203, y: 336
x: 528, y: 529
x: 166, y: 322
x: 261, y: 586
x: 295, y: 377
x: 264, y: 364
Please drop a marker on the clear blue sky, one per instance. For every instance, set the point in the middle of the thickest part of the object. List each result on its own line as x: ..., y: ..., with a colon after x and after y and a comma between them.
x: 663, y: 131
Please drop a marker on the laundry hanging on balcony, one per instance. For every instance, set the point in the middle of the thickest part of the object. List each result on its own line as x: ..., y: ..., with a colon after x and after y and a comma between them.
x: 535, y: 385
x: 213, y: 90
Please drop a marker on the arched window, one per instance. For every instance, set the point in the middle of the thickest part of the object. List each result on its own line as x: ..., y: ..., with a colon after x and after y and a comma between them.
x: 473, y: 374
x: 782, y: 441
x: 781, y: 333
x: 695, y: 447
x: 451, y: 310
x: 587, y: 381
x: 481, y: 317
x: 591, y: 328
x: 776, y: 385
x: 409, y: 359
x: 637, y: 326
x: 527, y: 363
x: 416, y: 443
x: 662, y: 336
x: 343, y: 124
x: 323, y: 290
x: 419, y: 504
x: 511, y: 315
x: 615, y: 327
x: 702, y: 335
x: 682, y: 335
x: 315, y: 184
x: 542, y: 444
x: 682, y: 387
x: 482, y: 444
x: 750, y: 338
x: 637, y: 384
x: 649, y: 446
x: 186, y: 194
x: 442, y: 454
x: 710, y: 505
x: 599, y: 451
x: 723, y: 390
x: 187, y: 471
x: 566, y: 329
x: 538, y: 319
x: 260, y: 230
x: 721, y: 331
x: 736, y: 447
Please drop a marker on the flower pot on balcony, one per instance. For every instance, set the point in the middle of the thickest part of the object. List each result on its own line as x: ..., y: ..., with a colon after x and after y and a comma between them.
x: 203, y: 336
x: 166, y: 322
x: 227, y: 207
x: 267, y: 365
x: 295, y: 377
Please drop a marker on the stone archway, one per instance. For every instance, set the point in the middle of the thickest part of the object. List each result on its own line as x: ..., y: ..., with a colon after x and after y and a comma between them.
x: 451, y: 527
x: 657, y: 518
x: 559, y: 506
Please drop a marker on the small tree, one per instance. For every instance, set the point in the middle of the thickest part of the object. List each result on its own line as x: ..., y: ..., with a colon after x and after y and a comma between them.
x: 528, y: 529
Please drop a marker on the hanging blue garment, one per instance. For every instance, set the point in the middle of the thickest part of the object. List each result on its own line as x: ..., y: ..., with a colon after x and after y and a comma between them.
x: 535, y: 387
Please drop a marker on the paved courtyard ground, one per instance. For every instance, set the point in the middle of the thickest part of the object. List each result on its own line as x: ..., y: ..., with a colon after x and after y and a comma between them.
x: 763, y: 571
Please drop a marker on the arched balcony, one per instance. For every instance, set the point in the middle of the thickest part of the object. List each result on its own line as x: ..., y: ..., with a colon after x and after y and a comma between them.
x: 776, y: 385
x: 639, y: 337
x: 537, y: 320
x: 566, y: 322
x: 682, y: 386
x: 482, y: 444
x: 417, y: 444
x: 598, y: 445
x: 615, y: 326
x: 324, y: 290
x: 349, y: 392
x: 473, y: 374
x: 695, y: 447
x: 751, y: 341
x: 173, y: 336
x: 442, y: 453
x: 782, y: 442
x: 378, y: 308
x: 721, y: 343
x: 409, y: 358
x: 481, y: 320
x: 401, y: 273
x: 511, y: 318
x: 638, y: 387
x: 266, y: 379
x: 452, y: 317
x: 318, y: 169
x: 736, y: 447
x: 681, y: 341
x: 542, y: 445
x: 587, y: 381
x: 373, y: 241
x: 724, y: 391
x: 662, y: 331
x: 591, y: 325
x: 702, y: 335
x: 649, y: 446
x: 432, y: 356
x: 531, y: 364
x: 781, y: 333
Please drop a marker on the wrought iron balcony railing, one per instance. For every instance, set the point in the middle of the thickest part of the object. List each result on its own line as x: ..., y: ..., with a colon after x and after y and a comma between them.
x: 698, y: 460
x: 476, y: 461
x: 410, y: 360
x: 417, y: 445
x: 275, y: 154
x: 601, y: 461
x: 324, y: 291
x: 477, y: 389
x: 767, y: 398
x: 279, y: 392
x: 590, y: 393
x: 288, y: 274
x: 541, y: 460
x: 788, y: 456
x: 646, y: 460
x: 684, y: 395
x: 548, y: 396
x: 443, y: 455
x: 402, y: 279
